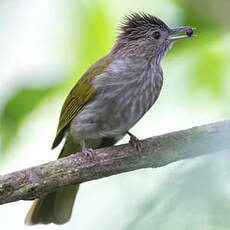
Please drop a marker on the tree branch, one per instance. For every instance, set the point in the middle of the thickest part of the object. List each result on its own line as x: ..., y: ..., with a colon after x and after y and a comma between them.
x: 157, y: 151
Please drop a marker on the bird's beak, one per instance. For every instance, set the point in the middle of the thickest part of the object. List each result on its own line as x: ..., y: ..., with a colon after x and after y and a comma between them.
x: 187, y: 29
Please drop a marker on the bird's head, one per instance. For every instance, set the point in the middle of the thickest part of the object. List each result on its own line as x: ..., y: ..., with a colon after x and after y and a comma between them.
x: 146, y: 35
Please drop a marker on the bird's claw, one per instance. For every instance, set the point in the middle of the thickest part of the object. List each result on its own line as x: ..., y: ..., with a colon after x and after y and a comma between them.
x: 135, y: 142
x: 89, y: 152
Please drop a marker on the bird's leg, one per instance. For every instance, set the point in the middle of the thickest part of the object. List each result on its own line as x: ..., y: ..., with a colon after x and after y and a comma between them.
x: 135, y: 142
x: 89, y: 152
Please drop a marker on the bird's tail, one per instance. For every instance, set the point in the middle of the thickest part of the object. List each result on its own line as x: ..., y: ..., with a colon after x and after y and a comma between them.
x: 55, y: 207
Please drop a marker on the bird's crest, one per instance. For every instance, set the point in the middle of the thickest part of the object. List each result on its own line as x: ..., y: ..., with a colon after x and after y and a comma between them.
x: 137, y: 24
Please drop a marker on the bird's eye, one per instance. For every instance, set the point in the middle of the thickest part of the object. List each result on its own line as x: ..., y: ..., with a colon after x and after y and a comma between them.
x: 156, y: 35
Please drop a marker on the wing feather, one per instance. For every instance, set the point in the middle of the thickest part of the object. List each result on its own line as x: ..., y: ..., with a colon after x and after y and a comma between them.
x: 79, y: 96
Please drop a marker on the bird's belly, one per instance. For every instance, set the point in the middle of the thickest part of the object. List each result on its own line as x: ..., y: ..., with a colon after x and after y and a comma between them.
x: 124, y: 113
x: 113, y: 115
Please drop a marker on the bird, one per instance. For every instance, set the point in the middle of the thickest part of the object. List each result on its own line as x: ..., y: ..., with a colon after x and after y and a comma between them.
x: 108, y: 100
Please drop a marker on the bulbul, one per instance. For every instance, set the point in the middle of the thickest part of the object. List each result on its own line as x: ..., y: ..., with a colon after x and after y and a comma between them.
x: 108, y: 101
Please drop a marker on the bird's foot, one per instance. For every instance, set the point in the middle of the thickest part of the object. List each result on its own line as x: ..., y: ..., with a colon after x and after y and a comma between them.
x: 135, y: 142
x: 89, y: 152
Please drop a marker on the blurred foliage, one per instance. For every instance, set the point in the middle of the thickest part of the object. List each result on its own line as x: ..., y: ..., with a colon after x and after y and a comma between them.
x: 210, y: 70
x: 208, y: 49
x: 97, y: 34
x: 23, y: 102
x: 206, y: 14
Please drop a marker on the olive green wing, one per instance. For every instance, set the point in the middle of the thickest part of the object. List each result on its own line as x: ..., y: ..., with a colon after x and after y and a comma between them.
x: 79, y: 96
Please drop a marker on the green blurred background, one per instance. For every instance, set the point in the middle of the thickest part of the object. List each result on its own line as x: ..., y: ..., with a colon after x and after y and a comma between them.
x: 47, y: 45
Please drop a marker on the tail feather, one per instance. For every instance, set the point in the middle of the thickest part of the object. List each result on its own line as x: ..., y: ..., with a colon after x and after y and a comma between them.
x: 55, y: 207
